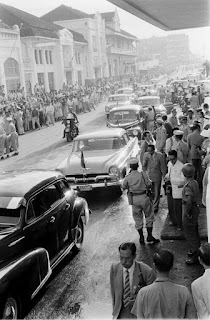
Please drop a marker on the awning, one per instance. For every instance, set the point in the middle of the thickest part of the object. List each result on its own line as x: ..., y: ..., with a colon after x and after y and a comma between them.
x: 169, y: 14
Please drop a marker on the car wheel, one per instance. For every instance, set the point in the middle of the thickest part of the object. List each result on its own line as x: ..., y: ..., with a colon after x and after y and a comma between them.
x: 12, y: 308
x: 79, y: 236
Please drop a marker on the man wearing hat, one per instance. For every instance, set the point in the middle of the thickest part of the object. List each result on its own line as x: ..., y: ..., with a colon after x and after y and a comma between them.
x: 137, y: 184
x: 190, y: 117
x: 160, y: 135
x: 184, y: 126
x: 182, y: 147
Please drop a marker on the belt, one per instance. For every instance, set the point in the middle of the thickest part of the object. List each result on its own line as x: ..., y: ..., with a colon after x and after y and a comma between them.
x: 184, y: 203
x: 138, y: 193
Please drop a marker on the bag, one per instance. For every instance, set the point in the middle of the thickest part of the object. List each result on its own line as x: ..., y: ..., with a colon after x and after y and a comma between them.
x: 167, y: 188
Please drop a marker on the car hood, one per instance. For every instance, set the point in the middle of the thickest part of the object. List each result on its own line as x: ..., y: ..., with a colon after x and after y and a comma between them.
x: 117, y: 103
x: 95, y: 162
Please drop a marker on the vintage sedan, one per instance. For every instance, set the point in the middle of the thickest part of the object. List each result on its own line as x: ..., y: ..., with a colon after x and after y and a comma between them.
x: 127, y: 90
x: 41, y: 221
x: 130, y: 118
x: 146, y: 101
x: 99, y: 159
x: 116, y: 100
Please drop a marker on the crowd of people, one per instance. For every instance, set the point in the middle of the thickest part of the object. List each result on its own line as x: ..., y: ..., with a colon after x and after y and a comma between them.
x: 174, y: 152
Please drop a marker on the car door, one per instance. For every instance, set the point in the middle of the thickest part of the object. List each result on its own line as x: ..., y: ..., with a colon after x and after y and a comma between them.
x: 64, y: 215
x: 41, y: 219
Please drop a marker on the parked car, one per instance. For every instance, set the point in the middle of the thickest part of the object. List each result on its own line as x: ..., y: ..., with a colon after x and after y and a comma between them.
x: 130, y: 118
x: 41, y: 221
x: 142, y: 89
x: 115, y: 100
x: 99, y: 159
x: 146, y: 101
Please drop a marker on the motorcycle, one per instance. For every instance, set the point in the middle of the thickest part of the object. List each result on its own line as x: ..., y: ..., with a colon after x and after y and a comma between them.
x: 71, y: 129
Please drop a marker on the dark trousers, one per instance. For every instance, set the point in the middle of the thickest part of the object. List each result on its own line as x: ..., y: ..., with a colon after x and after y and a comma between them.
x: 125, y: 313
x: 198, y: 170
x: 190, y: 228
x: 178, y: 211
x: 156, y: 190
x: 171, y: 211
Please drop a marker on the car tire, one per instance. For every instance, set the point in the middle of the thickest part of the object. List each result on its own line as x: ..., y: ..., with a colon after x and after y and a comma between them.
x: 12, y: 308
x: 79, y: 236
x: 117, y: 191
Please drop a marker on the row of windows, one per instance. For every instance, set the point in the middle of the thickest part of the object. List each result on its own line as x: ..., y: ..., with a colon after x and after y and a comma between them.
x: 39, y: 56
x: 78, y: 57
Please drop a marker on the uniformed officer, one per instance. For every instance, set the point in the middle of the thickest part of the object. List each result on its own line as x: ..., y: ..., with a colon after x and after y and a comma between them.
x: 137, y: 184
x: 190, y: 210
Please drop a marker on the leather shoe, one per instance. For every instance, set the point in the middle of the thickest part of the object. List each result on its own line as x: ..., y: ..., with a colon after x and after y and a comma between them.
x: 152, y: 239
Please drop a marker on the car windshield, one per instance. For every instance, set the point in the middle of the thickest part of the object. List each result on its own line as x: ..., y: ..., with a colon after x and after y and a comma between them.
x: 122, y: 116
x: 9, y: 217
x: 127, y: 91
x: 118, y: 98
x: 148, y: 102
x: 97, y: 144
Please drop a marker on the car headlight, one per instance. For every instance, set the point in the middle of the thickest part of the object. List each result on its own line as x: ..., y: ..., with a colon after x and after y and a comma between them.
x: 114, y: 171
x: 135, y: 132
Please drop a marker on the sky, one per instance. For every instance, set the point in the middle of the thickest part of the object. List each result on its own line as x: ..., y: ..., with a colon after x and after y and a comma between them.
x: 199, y: 37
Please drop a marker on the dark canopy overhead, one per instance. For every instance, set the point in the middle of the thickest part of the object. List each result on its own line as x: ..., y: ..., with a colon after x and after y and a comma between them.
x: 169, y: 14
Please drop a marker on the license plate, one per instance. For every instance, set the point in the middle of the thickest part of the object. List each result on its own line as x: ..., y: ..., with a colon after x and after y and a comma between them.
x: 85, y: 187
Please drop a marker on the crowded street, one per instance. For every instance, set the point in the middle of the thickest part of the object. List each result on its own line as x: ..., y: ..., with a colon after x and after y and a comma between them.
x: 104, y: 160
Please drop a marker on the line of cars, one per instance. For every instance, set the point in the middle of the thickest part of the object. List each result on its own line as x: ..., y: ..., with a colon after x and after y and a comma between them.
x: 41, y: 215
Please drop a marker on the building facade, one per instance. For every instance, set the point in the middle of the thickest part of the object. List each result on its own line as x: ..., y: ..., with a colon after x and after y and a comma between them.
x: 92, y: 27
x: 121, y: 47
x: 11, y: 63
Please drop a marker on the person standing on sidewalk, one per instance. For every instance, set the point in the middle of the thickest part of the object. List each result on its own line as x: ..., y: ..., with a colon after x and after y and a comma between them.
x: 176, y: 179
x: 127, y: 277
x: 35, y: 117
x: 200, y: 287
x: 164, y: 299
x: 137, y: 184
x: 50, y: 110
x: 190, y: 211
x: 155, y: 166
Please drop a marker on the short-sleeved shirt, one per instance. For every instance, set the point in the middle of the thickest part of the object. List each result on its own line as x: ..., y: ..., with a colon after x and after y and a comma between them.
x: 164, y: 299
x: 136, y: 181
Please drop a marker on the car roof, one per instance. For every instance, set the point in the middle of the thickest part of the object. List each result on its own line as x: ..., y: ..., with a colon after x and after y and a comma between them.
x: 19, y: 184
x: 148, y: 97
x: 129, y: 107
x: 118, y: 95
x: 104, y: 133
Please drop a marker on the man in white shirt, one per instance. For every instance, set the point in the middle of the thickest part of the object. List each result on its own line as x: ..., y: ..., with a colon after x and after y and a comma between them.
x: 201, y: 286
x: 176, y: 177
x: 127, y: 277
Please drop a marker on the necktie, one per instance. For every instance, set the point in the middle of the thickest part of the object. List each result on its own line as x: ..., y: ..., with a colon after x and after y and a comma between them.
x: 127, y: 292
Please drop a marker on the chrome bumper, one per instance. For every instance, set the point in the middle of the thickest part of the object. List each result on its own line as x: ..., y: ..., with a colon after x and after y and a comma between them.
x: 90, y: 185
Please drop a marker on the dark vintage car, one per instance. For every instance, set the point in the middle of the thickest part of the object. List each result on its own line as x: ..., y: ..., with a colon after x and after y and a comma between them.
x: 130, y: 118
x: 41, y: 221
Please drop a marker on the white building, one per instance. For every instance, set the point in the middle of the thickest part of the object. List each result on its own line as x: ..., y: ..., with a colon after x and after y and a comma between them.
x: 92, y: 27
x: 44, y: 52
x: 11, y: 63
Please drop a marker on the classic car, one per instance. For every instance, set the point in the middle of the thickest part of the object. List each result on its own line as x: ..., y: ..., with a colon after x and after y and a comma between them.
x: 116, y: 100
x: 41, y: 221
x: 147, y: 101
x: 130, y: 118
x: 99, y: 159
x: 129, y: 91
x: 142, y: 89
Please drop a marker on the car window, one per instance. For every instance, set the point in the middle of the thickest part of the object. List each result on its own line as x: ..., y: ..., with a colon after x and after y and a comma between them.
x: 36, y: 207
x: 51, y: 195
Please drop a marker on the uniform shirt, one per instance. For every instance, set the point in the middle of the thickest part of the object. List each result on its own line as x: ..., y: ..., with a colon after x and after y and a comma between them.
x: 176, y: 177
x: 154, y: 165
x: 201, y: 295
x: 194, y: 140
x: 135, y: 181
x: 164, y: 299
x: 130, y: 270
x: 191, y: 188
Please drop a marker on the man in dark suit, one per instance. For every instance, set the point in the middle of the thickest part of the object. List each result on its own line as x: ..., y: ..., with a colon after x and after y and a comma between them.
x: 127, y: 277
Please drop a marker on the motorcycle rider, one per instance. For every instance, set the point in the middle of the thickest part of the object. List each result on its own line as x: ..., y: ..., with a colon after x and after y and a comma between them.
x: 71, y: 115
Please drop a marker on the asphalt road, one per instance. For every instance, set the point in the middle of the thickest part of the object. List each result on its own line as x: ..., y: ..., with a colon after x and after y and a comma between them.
x: 79, y: 289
